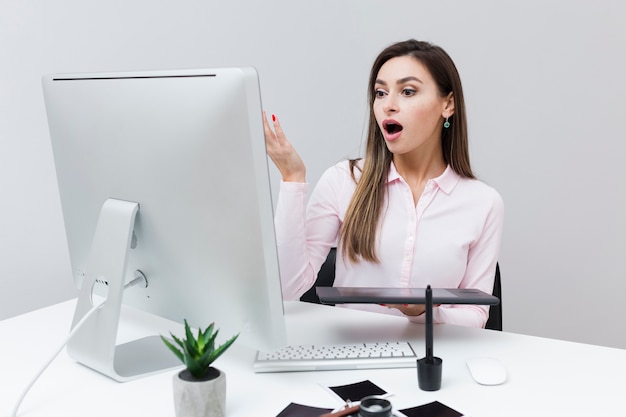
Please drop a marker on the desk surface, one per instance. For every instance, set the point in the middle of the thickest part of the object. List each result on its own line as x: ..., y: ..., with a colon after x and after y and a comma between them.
x: 546, y: 377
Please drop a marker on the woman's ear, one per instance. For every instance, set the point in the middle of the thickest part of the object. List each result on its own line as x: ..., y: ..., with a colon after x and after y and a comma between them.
x: 448, y: 108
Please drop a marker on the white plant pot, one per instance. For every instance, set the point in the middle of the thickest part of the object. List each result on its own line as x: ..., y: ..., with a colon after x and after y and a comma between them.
x: 200, y: 398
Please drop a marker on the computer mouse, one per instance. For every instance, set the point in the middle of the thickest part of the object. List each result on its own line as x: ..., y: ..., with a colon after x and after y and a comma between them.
x: 486, y: 370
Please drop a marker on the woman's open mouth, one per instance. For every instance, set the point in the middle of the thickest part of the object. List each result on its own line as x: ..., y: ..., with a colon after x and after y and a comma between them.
x: 392, y: 128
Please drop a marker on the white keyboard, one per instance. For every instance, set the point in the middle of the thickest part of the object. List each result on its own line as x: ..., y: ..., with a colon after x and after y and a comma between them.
x: 335, y: 357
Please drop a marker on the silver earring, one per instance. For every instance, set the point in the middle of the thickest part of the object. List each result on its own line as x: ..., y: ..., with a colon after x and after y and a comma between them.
x: 446, y: 124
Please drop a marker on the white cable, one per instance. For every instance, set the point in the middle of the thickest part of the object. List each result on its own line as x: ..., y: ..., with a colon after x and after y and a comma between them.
x: 56, y: 353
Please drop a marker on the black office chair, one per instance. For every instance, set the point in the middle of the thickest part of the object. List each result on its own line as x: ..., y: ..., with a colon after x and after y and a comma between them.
x: 326, y: 278
x: 494, y: 322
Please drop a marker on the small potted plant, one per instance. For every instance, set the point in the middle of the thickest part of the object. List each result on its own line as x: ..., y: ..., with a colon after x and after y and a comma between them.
x: 199, y: 389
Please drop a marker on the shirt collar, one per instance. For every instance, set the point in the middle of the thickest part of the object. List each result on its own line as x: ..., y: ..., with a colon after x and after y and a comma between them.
x: 446, y: 181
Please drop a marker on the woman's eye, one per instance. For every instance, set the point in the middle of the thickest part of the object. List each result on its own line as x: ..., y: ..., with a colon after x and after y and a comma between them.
x: 380, y: 93
x: 409, y: 92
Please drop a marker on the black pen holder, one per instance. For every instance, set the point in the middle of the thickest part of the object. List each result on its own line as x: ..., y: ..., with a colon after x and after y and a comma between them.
x: 429, y: 373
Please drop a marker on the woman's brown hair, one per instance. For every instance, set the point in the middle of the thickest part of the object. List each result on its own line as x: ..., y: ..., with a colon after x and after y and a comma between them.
x: 359, y: 230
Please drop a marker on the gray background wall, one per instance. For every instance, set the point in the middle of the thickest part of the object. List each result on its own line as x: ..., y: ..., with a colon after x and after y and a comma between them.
x: 544, y: 88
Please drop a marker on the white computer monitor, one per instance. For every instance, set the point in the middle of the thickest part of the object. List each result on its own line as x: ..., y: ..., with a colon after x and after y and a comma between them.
x: 164, y: 174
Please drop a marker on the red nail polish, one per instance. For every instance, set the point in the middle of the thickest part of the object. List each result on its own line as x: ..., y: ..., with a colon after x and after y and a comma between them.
x: 273, y: 117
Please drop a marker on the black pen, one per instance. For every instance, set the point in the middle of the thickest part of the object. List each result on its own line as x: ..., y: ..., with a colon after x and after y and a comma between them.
x: 429, y: 325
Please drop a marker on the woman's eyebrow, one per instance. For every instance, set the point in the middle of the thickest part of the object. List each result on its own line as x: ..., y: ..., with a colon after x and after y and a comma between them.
x: 401, y: 80
x: 409, y: 78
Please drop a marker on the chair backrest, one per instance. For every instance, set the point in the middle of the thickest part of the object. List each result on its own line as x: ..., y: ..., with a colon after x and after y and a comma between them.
x: 494, y: 322
x: 326, y: 278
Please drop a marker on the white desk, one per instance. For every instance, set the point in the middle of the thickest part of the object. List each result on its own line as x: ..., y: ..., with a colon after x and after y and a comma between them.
x: 546, y: 377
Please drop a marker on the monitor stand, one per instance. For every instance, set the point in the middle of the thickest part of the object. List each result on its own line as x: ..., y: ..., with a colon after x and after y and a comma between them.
x: 94, y: 344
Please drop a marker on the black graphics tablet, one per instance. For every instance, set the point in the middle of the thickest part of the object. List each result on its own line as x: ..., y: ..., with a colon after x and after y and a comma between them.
x: 369, y: 295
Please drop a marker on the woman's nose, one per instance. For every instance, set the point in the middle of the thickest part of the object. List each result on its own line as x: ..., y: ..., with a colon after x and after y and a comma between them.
x: 390, y: 105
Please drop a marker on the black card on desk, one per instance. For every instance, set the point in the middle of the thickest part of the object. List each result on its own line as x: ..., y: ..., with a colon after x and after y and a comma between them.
x: 434, y: 409
x: 357, y: 390
x: 299, y: 410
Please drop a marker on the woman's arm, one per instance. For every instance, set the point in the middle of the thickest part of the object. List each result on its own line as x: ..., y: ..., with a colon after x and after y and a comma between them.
x: 304, y: 233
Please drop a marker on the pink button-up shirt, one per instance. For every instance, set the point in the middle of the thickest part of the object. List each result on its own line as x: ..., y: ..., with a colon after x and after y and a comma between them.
x: 450, y: 239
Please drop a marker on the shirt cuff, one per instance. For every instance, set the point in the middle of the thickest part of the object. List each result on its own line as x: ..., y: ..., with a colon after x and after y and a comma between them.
x: 294, y: 187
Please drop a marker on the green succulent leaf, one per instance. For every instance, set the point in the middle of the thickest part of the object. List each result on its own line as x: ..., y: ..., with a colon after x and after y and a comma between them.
x: 178, y: 341
x: 206, y: 336
x: 211, y: 340
x: 190, y: 342
x: 218, y: 352
x: 174, y: 349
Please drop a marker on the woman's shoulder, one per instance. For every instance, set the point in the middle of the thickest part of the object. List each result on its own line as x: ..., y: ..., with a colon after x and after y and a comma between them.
x: 479, y: 185
x: 481, y: 190
x: 336, y: 185
x: 345, y: 169
x: 339, y: 180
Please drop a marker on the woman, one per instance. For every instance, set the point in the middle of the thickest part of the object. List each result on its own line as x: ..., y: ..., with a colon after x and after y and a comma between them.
x: 411, y: 213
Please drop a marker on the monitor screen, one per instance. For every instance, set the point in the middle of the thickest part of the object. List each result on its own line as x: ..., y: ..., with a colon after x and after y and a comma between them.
x: 187, y: 147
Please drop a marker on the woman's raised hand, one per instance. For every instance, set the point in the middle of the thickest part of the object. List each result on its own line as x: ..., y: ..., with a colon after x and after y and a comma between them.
x: 280, y: 151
